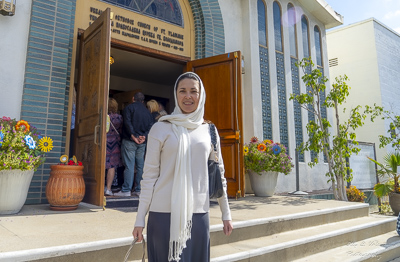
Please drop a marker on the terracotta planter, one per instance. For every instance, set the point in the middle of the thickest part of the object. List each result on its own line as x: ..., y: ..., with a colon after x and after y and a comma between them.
x: 66, y: 187
x: 394, y: 202
x: 14, y: 186
x: 264, y: 184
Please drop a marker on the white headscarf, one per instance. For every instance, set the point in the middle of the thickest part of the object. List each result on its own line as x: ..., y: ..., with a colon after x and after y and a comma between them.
x: 182, y: 189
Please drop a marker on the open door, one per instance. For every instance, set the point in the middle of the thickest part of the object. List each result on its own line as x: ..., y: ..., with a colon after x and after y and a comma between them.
x: 91, y: 106
x: 221, y: 76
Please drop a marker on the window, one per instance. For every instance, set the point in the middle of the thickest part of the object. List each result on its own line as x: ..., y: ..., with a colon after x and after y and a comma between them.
x: 318, y: 46
x: 165, y: 10
x: 291, y: 13
x: 278, y: 27
x: 262, y: 28
x: 305, y: 34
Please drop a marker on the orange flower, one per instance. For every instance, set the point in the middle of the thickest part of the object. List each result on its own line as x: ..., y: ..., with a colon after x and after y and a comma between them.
x: 22, y: 124
x: 254, y: 139
x: 261, y: 147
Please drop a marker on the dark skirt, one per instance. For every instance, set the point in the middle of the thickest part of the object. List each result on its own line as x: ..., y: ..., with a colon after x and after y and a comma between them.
x: 197, y: 247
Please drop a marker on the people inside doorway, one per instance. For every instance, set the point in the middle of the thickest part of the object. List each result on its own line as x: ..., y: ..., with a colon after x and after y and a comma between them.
x: 137, y: 124
x: 161, y: 109
x: 153, y: 107
x: 113, y: 151
x: 175, y: 181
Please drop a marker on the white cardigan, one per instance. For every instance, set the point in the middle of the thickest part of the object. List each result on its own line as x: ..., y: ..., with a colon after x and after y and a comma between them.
x: 156, y: 185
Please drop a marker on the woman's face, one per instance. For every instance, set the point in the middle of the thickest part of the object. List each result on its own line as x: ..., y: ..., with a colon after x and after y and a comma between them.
x: 188, y: 95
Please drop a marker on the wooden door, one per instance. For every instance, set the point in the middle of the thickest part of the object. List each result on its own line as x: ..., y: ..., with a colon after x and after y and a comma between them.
x: 221, y: 76
x: 91, y: 106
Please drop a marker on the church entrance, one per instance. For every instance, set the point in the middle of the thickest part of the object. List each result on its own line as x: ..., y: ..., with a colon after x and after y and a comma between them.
x: 153, y: 73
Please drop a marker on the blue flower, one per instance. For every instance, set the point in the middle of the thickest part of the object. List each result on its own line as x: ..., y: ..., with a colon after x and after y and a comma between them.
x: 30, y: 142
x: 1, y: 136
x: 276, y: 149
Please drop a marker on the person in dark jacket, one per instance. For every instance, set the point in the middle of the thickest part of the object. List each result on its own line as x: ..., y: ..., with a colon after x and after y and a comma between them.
x: 137, y: 124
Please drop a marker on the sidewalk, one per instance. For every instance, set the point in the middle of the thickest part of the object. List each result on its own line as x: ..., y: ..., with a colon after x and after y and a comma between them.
x: 36, y: 226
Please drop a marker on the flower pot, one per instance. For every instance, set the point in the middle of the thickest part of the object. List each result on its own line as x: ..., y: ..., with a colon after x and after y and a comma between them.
x: 263, y: 185
x: 394, y: 202
x: 14, y: 186
x: 66, y: 187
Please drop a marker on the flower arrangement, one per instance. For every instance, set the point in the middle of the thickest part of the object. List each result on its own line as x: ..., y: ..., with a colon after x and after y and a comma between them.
x: 355, y: 195
x: 69, y: 162
x: 21, y: 145
x: 266, y: 156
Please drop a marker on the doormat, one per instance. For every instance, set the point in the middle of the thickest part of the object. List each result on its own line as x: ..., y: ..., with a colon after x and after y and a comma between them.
x: 123, y: 203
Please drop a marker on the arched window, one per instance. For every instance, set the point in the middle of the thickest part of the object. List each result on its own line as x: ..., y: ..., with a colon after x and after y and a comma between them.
x: 291, y: 13
x: 165, y: 10
x: 262, y: 28
x: 278, y: 27
x: 305, y: 34
x: 318, y: 45
x: 264, y: 70
x: 298, y: 122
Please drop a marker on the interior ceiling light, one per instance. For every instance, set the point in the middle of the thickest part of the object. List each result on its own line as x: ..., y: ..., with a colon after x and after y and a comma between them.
x: 111, y: 60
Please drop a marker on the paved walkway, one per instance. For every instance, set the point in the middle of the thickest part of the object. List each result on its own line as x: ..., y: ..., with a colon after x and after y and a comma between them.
x: 36, y: 226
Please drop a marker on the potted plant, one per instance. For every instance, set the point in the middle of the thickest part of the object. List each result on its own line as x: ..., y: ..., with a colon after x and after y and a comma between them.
x: 263, y: 160
x: 390, y: 186
x: 22, y: 150
x: 66, y: 186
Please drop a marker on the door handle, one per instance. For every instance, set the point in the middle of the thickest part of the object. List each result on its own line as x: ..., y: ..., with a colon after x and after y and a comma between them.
x: 236, y: 136
x: 95, y: 134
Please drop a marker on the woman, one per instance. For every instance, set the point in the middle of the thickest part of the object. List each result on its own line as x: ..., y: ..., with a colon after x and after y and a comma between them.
x: 113, y: 151
x: 152, y: 105
x: 175, y: 181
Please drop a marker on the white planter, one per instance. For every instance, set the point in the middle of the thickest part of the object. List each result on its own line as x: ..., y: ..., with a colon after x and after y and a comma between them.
x: 14, y: 186
x: 264, y: 184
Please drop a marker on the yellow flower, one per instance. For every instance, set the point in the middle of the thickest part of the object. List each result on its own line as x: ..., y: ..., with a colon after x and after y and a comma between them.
x: 75, y: 160
x: 24, y: 125
x: 261, y: 147
x: 246, y: 150
x: 268, y: 141
x: 64, y: 159
x: 46, y: 144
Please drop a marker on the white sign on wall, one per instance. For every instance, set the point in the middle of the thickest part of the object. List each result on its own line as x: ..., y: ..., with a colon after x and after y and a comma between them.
x: 364, y: 172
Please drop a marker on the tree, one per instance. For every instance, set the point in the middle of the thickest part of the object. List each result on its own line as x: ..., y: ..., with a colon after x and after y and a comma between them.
x: 393, y: 138
x: 336, y: 148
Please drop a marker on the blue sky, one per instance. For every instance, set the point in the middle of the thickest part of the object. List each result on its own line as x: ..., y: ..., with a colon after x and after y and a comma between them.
x: 386, y: 11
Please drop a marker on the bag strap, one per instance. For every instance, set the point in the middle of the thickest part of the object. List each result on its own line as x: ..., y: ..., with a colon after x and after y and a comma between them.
x: 211, y: 130
x: 113, y: 126
x: 130, y: 249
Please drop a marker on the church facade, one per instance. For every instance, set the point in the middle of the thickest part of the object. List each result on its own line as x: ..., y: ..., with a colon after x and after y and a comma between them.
x: 246, y: 51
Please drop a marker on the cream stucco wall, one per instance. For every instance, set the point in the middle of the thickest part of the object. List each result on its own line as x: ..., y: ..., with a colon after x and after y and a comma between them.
x: 13, y: 48
x: 355, y: 48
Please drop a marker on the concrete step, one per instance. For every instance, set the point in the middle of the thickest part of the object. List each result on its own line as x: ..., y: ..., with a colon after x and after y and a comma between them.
x: 295, y: 244
x: 384, y: 247
x: 261, y: 227
x: 261, y: 230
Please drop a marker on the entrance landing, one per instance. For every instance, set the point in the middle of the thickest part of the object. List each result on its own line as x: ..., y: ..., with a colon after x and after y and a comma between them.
x: 37, y: 231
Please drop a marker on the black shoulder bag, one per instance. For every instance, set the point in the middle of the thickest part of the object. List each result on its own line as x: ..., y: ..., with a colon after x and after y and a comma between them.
x: 216, y: 189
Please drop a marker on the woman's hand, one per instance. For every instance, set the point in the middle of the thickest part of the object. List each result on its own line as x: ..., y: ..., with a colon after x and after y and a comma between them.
x: 227, y: 227
x: 138, y: 233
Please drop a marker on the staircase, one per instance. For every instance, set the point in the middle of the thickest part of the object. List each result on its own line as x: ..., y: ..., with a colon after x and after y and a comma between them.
x: 346, y: 233
x: 275, y: 229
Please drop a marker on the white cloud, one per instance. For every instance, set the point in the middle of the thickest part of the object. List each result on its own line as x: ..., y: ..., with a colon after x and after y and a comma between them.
x: 392, y: 14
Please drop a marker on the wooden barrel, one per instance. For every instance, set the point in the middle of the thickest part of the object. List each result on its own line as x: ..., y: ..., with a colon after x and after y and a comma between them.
x: 66, y: 187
